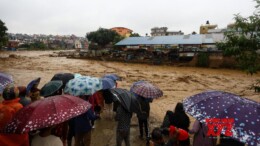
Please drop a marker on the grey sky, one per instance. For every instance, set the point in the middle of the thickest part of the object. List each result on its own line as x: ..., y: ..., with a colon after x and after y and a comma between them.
x: 65, y: 17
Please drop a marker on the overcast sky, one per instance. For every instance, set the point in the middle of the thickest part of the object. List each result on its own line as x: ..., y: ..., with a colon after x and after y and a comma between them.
x: 66, y: 17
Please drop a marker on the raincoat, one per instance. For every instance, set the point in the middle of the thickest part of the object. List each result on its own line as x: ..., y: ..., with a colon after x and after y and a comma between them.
x: 7, y: 111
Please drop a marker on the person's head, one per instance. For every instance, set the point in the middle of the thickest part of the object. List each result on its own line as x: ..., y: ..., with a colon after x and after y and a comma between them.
x: 156, y: 136
x: 10, y: 92
x: 46, y: 131
x: 34, y: 94
x: 22, y: 91
x: 179, y: 108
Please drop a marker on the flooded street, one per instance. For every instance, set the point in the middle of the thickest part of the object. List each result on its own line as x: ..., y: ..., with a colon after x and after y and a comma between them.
x: 177, y: 83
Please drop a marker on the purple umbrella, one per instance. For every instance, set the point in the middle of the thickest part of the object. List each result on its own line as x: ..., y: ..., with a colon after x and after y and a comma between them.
x: 114, y: 77
x: 108, y: 83
x: 221, y: 105
x: 4, y: 80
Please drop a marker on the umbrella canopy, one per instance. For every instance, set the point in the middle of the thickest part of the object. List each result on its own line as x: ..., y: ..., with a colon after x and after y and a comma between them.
x: 126, y: 99
x: 4, y: 80
x: 47, y: 112
x: 218, y: 104
x: 108, y: 83
x: 64, y: 77
x: 34, y: 82
x: 146, y: 90
x: 51, y: 87
x: 114, y: 77
x: 83, y: 85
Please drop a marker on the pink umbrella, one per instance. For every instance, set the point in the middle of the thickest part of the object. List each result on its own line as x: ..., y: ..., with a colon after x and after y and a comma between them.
x: 47, y: 112
x: 146, y: 90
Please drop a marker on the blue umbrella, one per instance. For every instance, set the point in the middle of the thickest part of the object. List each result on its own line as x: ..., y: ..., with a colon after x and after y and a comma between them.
x: 108, y: 83
x: 83, y: 85
x: 113, y: 77
x: 221, y: 105
x: 4, y: 80
x: 34, y: 82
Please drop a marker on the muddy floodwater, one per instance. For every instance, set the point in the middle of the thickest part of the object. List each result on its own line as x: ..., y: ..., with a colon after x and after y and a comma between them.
x: 176, y: 83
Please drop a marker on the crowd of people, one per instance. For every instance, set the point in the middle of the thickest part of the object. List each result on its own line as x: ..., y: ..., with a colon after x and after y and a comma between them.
x: 174, y: 131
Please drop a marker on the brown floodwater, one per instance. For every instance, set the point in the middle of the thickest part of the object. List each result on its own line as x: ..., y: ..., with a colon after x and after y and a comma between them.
x: 176, y: 83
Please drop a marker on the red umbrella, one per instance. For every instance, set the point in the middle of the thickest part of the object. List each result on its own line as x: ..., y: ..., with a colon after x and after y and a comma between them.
x: 47, y: 112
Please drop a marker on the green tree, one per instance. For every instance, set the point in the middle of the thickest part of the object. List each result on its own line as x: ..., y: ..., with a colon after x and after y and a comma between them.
x: 103, y: 36
x: 3, y: 34
x: 243, y: 41
x: 134, y: 35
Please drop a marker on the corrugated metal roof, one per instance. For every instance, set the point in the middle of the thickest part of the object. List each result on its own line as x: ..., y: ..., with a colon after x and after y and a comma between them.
x: 168, y: 40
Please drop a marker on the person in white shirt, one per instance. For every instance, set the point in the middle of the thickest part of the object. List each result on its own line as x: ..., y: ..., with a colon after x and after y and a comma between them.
x: 44, y: 138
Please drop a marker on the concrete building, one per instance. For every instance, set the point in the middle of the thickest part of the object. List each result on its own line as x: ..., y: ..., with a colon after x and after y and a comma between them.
x: 162, y: 31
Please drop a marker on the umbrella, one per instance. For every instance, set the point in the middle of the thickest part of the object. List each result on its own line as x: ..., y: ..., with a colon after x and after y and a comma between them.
x: 64, y: 77
x: 108, y: 83
x: 34, y: 82
x: 113, y: 77
x: 218, y: 104
x: 51, y: 87
x: 47, y: 112
x: 135, y: 83
x: 83, y: 85
x: 4, y: 80
x: 126, y: 99
x: 146, y: 90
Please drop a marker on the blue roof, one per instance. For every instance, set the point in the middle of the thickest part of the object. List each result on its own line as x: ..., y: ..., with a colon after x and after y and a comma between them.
x: 167, y: 40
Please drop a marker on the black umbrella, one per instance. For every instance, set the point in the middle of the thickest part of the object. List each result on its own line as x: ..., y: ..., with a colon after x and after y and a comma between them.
x: 50, y: 88
x: 64, y: 77
x: 126, y: 99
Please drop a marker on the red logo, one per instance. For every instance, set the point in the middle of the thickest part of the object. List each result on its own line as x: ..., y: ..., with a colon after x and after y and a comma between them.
x: 215, y: 126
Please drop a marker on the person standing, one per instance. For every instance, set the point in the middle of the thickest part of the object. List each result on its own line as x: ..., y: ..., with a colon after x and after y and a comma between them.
x: 123, y: 117
x: 143, y: 116
x: 83, y: 127
x: 8, y: 108
x: 45, y: 138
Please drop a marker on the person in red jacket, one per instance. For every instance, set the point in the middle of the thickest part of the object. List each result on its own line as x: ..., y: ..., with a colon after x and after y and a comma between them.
x: 8, y: 108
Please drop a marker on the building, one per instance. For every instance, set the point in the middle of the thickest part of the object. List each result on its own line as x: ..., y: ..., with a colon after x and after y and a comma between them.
x: 204, y: 29
x: 200, y: 41
x: 162, y: 31
x: 122, y: 31
x: 13, y: 44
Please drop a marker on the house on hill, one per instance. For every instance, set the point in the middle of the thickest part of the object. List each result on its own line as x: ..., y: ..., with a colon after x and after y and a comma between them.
x: 122, y: 31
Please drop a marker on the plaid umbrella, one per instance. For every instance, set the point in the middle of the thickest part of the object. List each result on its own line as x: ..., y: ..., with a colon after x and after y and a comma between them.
x: 47, y: 112
x: 114, y: 77
x: 218, y: 104
x: 83, y: 85
x: 51, y: 87
x: 4, y: 80
x: 146, y: 90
